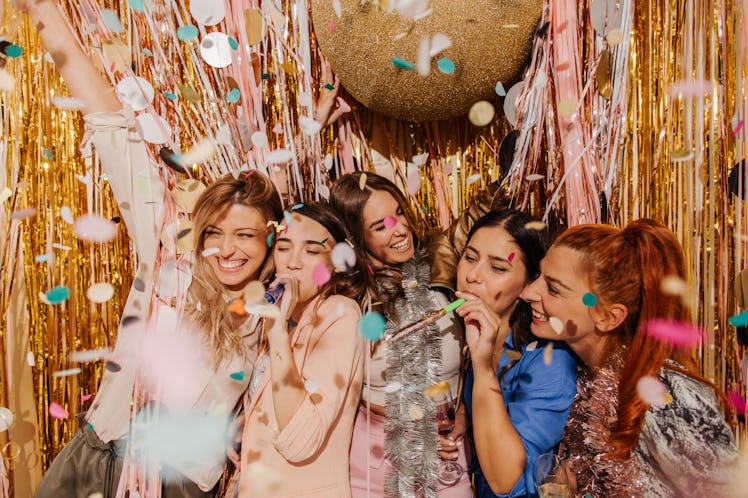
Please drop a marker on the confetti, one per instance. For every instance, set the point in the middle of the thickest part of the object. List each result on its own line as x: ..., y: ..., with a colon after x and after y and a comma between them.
x: 535, y: 225
x: 210, y: 251
x: 392, y: 387
x: 589, y: 299
x: 5, y: 194
x: 439, y: 43
x: 372, y: 326
x: 311, y: 386
x: 89, y: 355
x: 473, y: 179
x: 264, y: 479
x: 534, y: 177
x: 614, y: 37
x: 481, y: 113
x: 100, y: 293
x: 136, y: 5
x: 236, y: 306
x: 189, y: 93
x: 390, y: 221
x: 67, y: 215
x: 343, y: 256
x: 58, y: 294
x: 207, y: 12
x: 321, y: 275
x: 135, y: 92
x: 67, y: 373
x: 215, y: 48
x: 337, y: 8
x: 697, y: 88
x: 112, y: 366
x: 651, y: 391
x: 200, y: 152
x: 269, y: 239
x: 513, y: 355
x: 111, y: 21
x: 423, y: 59
x: 674, y: 333
x: 22, y: 214
x: 499, y: 89
x: 531, y: 347
x: 6, y: 418
x: 233, y: 96
x: 362, y: 181
x: 94, y: 228
x: 567, y: 108
x: 7, y: 81
x: 30, y: 359
x: 309, y: 126
x: 548, y: 354
x: 734, y: 397
x: 413, y: 181
x: 278, y: 156
x: 42, y: 258
x: 13, y: 51
x: 402, y: 64
x: 58, y: 412
x: 556, y: 324
x: 681, y: 155
x: 259, y: 139
x: 510, y: 257
x: 415, y: 412
x: 238, y: 375
x: 86, y: 397
x: 445, y: 65
x: 673, y: 286
x: 739, y: 320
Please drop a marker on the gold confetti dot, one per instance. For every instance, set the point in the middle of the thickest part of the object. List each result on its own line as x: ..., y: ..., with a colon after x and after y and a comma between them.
x: 548, y: 354
x: 614, y: 37
x: 362, y: 181
x: 415, y: 412
x: 535, y: 225
x: 567, y: 108
x: 556, y: 324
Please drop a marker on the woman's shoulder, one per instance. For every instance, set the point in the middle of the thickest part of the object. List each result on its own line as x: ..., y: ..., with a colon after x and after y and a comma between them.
x: 336, y: 306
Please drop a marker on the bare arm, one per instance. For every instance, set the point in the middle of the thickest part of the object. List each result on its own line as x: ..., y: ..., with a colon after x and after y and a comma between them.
x: 81, y: 76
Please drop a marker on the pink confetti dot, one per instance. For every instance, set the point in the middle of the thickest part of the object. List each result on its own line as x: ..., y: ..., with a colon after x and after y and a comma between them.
x: 390, y: 221
x: 321, y: 275
x: 675, y: 333
x: 58, y: 412
x: 510, y: 258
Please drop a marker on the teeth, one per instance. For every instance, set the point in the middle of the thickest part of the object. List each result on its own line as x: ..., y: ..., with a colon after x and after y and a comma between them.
x: 539, y: 316
x: 400, y: 245
x: 231, y: 264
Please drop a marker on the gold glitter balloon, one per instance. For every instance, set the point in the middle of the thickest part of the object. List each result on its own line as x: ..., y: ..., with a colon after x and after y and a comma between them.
x: 490, y: 43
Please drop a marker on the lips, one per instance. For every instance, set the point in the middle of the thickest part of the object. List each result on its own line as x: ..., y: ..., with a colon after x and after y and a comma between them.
x: 536, y: 315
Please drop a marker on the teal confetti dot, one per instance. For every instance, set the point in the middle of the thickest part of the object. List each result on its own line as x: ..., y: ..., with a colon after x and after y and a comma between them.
x: 329, y: 86
x: 13, y: 51
x: 233, y: 96
x: 287, y: 217
x: 136, y: 5
x: 445, y: 65
x: 739, y: 320
x: 500, y: 91
x: 147, y: 52
x: 111, y: 21
x: 58, y: 294
x: 89, y: 427
x: 48, y: 154
x: 170, y: 95
x: 402, y: 64
x: 187, y: 32
x: 270, y: 239
x: 176, y: 158
x: 41, y: 258
x: 233, y: 43
x: 424, y: 209
x: 265, y: 76
x: 371, y: 326
x: 237, y: 375
x: 297, y: 206
x: 589, y: 299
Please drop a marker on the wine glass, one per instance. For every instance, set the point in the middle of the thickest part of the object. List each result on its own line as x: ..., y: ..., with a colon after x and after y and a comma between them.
x: 449, y: 472
x: 552, y: 477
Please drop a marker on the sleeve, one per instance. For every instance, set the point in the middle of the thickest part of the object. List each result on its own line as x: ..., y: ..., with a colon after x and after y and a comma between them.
x: 333, y: 369
x: 688, y: 441
x: 134, y: 180
x: 447, y: 246
x: 539, y: 407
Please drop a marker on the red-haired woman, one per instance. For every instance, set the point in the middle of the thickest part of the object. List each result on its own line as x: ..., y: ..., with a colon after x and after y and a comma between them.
x: 604, y: 285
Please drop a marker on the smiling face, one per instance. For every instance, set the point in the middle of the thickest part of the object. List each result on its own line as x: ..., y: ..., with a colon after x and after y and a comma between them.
x: 239, y: 235
x: 388, y: 239
x: 492, y: 268
x: 558, y: 292
x: 301, y: 248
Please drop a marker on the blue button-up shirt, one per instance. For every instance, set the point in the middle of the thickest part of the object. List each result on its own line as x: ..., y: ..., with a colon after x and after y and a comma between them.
x: 537, y: 398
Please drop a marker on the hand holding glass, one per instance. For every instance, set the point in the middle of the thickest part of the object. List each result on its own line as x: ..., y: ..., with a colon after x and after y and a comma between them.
x: 552, y: 477
x: 449, y: 472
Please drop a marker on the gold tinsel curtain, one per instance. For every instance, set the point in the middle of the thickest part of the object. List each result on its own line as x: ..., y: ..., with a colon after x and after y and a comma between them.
x: 677, y: 148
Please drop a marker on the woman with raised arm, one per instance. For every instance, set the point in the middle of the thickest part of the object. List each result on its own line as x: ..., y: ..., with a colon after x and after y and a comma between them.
x: 395, y: 448
x: 517, y: 401
x: 306, y: 385
x: 603, y: 289
x: 230, y: 231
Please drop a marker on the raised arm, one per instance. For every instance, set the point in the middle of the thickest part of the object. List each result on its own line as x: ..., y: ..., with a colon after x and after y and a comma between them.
x: 81, y: 77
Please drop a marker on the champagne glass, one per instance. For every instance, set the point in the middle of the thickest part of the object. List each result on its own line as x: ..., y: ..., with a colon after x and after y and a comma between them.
x: 449, y: 472
x: 552, y: 477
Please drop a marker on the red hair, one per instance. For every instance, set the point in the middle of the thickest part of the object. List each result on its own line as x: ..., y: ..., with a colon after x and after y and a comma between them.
x: 627, y: 267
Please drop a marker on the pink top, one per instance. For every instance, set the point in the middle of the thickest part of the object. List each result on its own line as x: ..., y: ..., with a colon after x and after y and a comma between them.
x: 310, y: 456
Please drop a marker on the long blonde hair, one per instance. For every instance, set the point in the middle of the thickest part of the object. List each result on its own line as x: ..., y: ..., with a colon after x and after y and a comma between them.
x: 206, y: 302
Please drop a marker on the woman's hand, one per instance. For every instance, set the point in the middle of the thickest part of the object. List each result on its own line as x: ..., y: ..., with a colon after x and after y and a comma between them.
x: 481, y: 330
x: 287, y: 303
x: 329, y: 107
x: 449, y: 447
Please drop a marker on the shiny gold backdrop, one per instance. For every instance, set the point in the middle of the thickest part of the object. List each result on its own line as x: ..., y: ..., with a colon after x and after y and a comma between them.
x: 670, y: 42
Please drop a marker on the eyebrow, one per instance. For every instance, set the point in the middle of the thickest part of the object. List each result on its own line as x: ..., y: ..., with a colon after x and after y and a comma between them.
x: 376, y: 223
x: 236, y: 230
x: 558, y: 282
x: 306, y: 242
x: 490, y: 256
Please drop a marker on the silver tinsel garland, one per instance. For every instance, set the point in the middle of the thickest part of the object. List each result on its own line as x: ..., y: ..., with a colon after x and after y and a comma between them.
x: 411, y: 442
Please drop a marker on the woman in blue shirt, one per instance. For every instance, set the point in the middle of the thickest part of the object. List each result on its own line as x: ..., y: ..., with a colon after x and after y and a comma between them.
x: 518, y: 389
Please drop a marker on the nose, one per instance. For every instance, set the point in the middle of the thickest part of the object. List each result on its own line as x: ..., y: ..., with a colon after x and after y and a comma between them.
x: 227, y: 246
x: 531, y: 292
x: 474, y: 274
x: 294, y: 260
x: 402, y: 227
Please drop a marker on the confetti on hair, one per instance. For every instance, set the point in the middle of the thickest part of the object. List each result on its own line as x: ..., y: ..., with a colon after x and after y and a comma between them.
x: 343, y: 256
x: 535, y: 225
x: 362, y: 181
x: 321, y: 275
x: 67, y: 103
x: 556, y: 324
x: 269, y: 239
x: 673, y: 286
x: 675, y: 333
x: 57, y: 412
x: 651, y: 391
x: 589, y: 299
x: 372, y: 326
